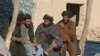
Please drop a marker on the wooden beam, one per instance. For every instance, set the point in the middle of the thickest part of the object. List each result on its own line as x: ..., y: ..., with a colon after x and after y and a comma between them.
x: 86, y: 26
x: 16, y: 4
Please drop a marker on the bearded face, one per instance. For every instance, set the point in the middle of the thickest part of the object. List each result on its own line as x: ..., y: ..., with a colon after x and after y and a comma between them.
x: 27, y: 22
x: 47, y: 23
x: 65, y: 19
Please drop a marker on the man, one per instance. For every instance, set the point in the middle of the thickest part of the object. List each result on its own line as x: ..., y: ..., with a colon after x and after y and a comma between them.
x: 67, y: 30
x: 28, y: 35
x: 23, y: 38
x: 47, y: 35
x: 17, y: 48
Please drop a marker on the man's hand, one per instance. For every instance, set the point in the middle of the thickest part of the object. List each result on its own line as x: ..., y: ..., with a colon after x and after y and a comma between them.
x: 53, y: 45
x: 19, y: 39
x: 62, y: 25
x: 32, y: 44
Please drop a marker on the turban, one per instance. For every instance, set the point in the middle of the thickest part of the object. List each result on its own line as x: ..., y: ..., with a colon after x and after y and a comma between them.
x: 47, y: 17
x: 67, y: 13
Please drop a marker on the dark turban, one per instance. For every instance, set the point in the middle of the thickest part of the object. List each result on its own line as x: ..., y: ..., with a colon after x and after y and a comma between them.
x: 47, y: 17
x: 20, y: 16
x: 27, y: 16
x: 67, y: 13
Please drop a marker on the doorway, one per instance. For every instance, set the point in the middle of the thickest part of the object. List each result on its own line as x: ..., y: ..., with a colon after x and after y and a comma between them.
x: 75, y: 9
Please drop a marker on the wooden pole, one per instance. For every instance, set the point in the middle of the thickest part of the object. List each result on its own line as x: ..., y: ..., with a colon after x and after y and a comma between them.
x: 86, y: 26
x: 33, y: 11
x: 13, y: 22
x: 33, y: 14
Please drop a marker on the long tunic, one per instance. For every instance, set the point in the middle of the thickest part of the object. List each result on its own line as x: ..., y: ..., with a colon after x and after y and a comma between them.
x: 68, y: 34
x: 17, y: 48
x: 49, y: 31
x: 27, y: 35
x: 22, y: 48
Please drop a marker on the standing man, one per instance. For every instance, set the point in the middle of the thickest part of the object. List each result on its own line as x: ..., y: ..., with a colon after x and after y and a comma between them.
x: 67, y: 31
x: 47, y: 35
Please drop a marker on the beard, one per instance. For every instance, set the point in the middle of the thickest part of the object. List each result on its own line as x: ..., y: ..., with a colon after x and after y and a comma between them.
x: 47, y: 25
x: 65, y: 21
x: 27, y: 25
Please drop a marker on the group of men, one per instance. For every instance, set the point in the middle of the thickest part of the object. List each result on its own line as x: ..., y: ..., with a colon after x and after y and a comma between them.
x: 54, y: 39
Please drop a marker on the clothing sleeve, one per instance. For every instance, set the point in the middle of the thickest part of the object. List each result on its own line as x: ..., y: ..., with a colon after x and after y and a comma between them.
x: 23, y: 33
x: 38, y: 30
x: 31, y: 32
x: 73, y: 32
x: 15, y: 34
x: 73, y: 36
x: 57, y: 37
